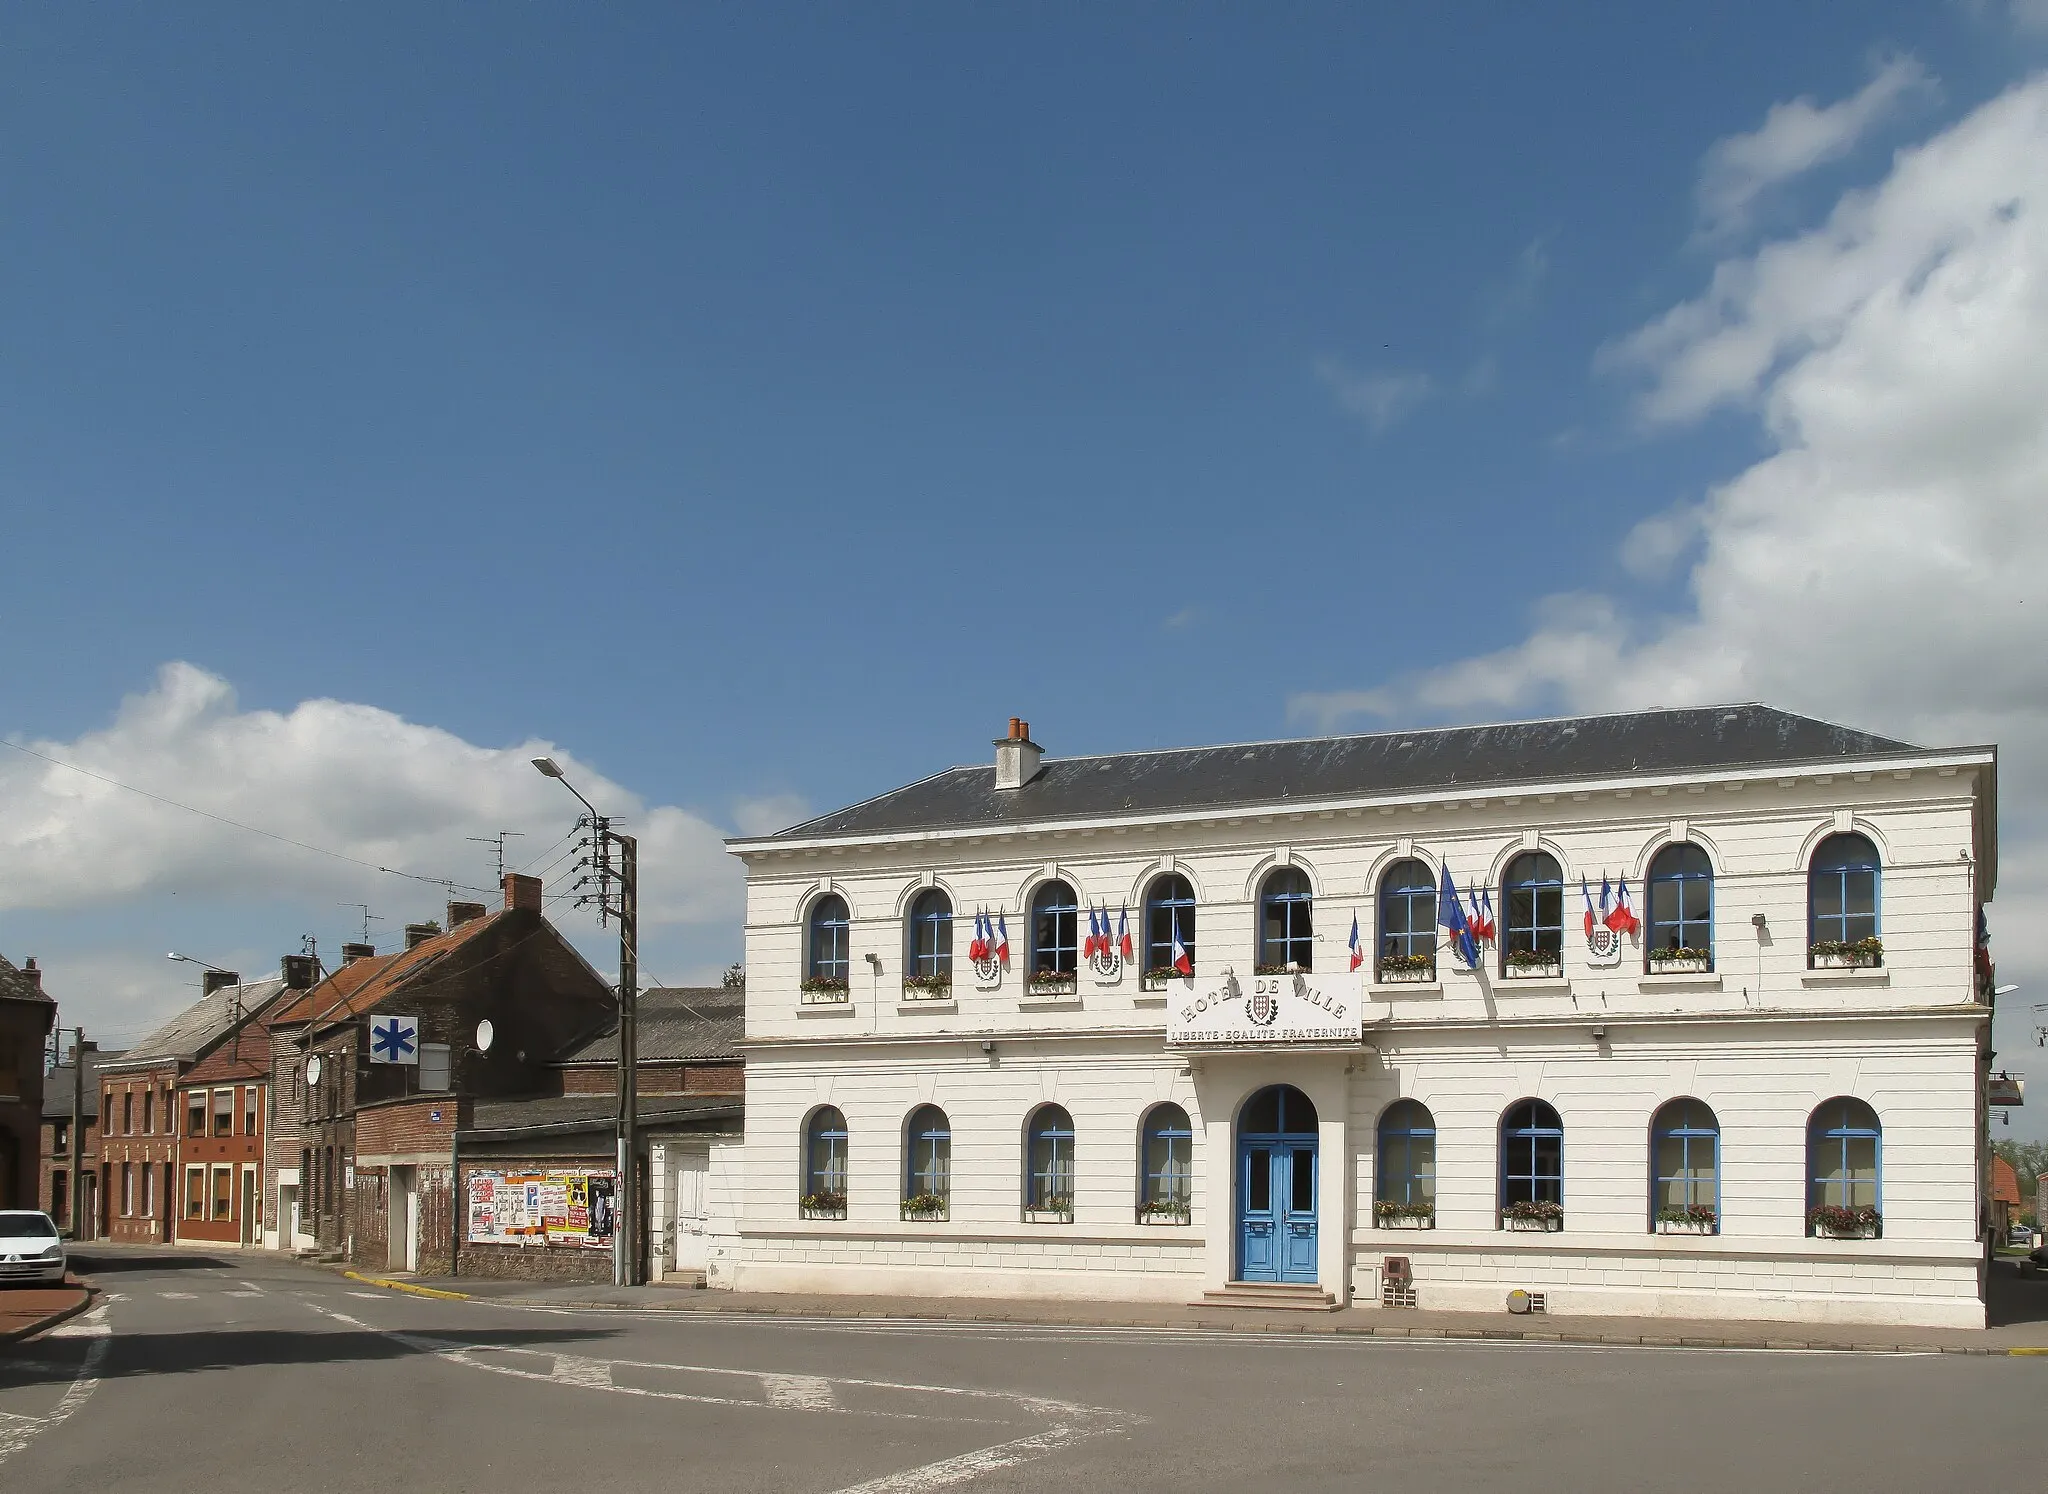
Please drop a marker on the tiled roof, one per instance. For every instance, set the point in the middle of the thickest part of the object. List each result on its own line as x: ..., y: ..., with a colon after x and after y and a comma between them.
x: 201, y: 1024
x: 15, y: 986
x: 2005, y: 1182
x: 677, y: 1022
x: 1395, y: 762
x: 357, y: 988
x: 560, y: 1114
x: 336, y: 992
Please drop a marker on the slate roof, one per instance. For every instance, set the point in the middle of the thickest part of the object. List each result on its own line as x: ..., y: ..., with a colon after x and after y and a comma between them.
x: 677, y: 1022
x: 1701, y: 738
x: 560, y: 1114
x: 14, y: 986
x: 57, y: 1087
x: 200, y: 1025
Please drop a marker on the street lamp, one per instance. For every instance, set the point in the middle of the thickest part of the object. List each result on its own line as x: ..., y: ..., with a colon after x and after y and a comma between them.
x: 626, y: 1237
x: 189, y: 960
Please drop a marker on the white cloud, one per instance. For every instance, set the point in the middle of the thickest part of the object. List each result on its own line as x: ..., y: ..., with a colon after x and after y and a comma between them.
x: 1651, y: 548
x: 1794, y: 138
x: 1381, y: 399
x: 1883, y: 565
x: 351, y: 778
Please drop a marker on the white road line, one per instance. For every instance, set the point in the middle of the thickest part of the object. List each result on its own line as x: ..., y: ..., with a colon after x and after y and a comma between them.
x: 369, y: 1296
x: 92, y: 1325
x: 241, y: 1294
x: 805, y: 1392
x: 591, y: 1374
x: 179, y: 1296
x: 13, y: 1438
x: 949, y: 1471
x: 254, y: 1289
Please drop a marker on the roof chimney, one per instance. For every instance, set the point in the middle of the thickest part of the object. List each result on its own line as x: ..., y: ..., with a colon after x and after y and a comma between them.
x: 417, y: 934
x: 350, y: 953
x: 1016, y: 756
x: 298, y: 972
x: 522, y: 894
x: 31, y: 974
x: 461, y: 913
x: 215, y: 980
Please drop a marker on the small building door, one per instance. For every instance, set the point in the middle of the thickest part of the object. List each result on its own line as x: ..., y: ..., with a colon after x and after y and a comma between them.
x: 250, y: 1223
x: 402, y: 1220
x: 692, y: 1194
x: 1276, y: 1187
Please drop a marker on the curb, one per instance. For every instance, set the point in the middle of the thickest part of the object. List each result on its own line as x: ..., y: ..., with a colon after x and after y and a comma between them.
x: 406, y: 1286
x: 65, y: 1315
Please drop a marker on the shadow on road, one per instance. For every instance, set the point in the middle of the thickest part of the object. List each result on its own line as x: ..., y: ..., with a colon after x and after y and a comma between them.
x: 135, y: 1355
x: 2011, y: 1298
x: 88, y: 1262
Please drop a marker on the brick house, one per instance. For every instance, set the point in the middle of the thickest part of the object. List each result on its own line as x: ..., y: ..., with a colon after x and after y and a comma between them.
x: 144, y: 1192
x: 26, y: 1017
x: 224, y: 1126
x: 375, y: 1139
x: 57, y: 1189
x: 2005, y: 1199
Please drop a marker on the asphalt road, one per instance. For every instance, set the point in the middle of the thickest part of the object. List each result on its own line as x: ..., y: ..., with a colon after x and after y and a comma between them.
x: 229, y: 1373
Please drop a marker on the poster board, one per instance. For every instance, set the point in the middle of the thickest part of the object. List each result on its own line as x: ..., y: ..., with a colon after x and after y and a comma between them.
x: 569, y: 1208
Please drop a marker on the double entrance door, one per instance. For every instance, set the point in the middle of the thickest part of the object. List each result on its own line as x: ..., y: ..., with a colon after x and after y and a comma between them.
x: 1276, y: 1187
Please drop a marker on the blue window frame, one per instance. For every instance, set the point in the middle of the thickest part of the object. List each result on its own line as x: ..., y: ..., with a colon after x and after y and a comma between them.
x: 829, y: 957
x: 928, y: 1154
x: 1049, y: 1160
x: 1532, y: 906
x: 1167, y: 1162
x: 1842, y: 886
x: 1287, y: 921
x: 1531, y: 1154
x: 1685, y: 1152
x: 1845, y: 1153
x: 1408, y: 910
x: 931, y: 934
x: 1169, y: 915
x: 1681, y: 900
x: 1407, y: 1154
x: 825, y: 1156
x: 1055, y: 931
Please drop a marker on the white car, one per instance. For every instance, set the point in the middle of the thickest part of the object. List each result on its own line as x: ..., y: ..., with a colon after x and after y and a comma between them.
x: 30, y: 1248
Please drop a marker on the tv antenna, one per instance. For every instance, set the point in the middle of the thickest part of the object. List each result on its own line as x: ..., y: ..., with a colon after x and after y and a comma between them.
x: 497, y: 840
x: 368, y: 917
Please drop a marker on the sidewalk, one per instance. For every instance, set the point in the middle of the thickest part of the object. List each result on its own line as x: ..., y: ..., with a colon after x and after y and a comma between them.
x: 2021, y: 1305
x: 27, y: 1310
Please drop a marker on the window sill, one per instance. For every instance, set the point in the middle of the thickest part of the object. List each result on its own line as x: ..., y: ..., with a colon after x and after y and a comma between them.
x: 1533, y: 985
x: 1865, y: 975
x: 925, y: 1004
x: 1677, y: 980
x: 1052, y: 1002
x: 825, y: 1009
x: 1149, y: 998
x: 1390, y: 989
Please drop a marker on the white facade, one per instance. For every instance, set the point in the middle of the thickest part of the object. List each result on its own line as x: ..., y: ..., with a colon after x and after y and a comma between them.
x: 1761, y: 1040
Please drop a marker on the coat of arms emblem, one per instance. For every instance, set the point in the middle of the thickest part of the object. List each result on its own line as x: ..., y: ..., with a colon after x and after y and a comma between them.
x: 1263, y: 1005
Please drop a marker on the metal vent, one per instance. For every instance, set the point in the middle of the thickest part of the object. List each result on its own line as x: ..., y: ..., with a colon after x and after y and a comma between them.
x: 1397, y: 1293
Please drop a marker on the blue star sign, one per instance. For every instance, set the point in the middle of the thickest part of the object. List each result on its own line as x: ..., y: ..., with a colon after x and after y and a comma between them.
x: 395, y: 1040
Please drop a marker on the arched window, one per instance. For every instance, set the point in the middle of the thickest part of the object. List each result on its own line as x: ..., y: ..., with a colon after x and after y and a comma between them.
x: 1166, y: 1164
x: 1844, y: 1150
x: 931, y: 936
x: 1531, y: 1161
x: 1407, y: 915
x: 1407, y: 1163
x: 824, y: 1195
x: 1049, y: 1163
x: 928, y: 1164
x: 1532, y: 905
x: 1681, y: 902
x: 1169, y: 923
x: 1685, y: 1156
x: 1842, y: 898
x: 829, y: 958
x: 1278, y: 1110
x: 1286, y: 922
x: 1055, y: 938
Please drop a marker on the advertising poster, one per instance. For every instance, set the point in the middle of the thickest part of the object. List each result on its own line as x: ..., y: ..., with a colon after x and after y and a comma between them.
x: 572, y: 1208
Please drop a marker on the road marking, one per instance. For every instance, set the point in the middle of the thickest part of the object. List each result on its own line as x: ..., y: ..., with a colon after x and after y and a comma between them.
x: 92, y: 1325
x: 254, y: 1289
x: 369, y: 1296
x: 179, y: 1296
x: 805, y: 1392
x: 14, y: 1438
x: 241, y: 1294
x: 959, y: 1470
x: 591, y: 1374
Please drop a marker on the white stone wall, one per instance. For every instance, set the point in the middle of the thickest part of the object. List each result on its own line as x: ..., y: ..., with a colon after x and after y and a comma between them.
x: 1762, y: 1040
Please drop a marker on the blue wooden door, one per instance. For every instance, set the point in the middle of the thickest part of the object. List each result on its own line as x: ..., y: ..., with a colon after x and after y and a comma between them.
x: 1276, y: 1236
x: 1297, y: 1247
x: 1257, y: 1216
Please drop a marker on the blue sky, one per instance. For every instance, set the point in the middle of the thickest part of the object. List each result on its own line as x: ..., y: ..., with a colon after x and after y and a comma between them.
x: 763, y: 404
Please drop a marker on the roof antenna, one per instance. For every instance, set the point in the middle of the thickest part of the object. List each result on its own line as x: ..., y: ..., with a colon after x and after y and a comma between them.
x: 368, y: 917
x: 497, y: 840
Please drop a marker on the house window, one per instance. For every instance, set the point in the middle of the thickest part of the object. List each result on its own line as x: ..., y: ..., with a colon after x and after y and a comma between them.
x: 60, y: 1137
x: 148, y: 1191
x: 195, y: 1193
x: 829, y: 958
x: 1055, y: 938
x: 249, y: 1103
x: 1166, y: 1184
x: 223, y: 1192
x: 1531, y: 1155
x: 928, y: 1161
x: 1169, y: 923
x: 195, y: 1112
x: 1685, y: 1149
x: 825, y: 1162
x: 1049, y: 1164
x: 223, y: 1112
x: 1407, y: 1156
x: 1532, y: 898
x: 127, y: 1112
x: 1681, y: 899
x: 1408, y: 912
x: 309, y: 1182
x: 1844, y: 1146
x: 148, y: 1111
x: 127, y: 1190
x: 170, y: 1118
x: 1286, y: 922
x: 107, y: 1111
x: 60, y: 1198
x: 931, y: 934
x: 1842, y: 891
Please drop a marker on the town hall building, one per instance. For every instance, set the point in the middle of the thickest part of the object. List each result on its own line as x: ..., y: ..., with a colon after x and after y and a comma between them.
x: 1679, y: 1012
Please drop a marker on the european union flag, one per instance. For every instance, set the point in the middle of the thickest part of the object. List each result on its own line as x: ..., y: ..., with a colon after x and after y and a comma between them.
x: 1450, y: 914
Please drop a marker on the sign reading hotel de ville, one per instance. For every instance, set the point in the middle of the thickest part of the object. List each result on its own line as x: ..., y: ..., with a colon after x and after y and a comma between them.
x: 1263, y: 1009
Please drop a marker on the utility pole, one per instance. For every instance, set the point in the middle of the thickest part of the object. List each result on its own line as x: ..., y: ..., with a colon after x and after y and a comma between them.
x: 79, y: 1048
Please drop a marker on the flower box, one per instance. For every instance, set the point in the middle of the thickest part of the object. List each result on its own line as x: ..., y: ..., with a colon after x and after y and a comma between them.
x: 1538, y: 1226
x: 822, y: 1206
x: 1401, y: 970
x: 1697, y: 1220
x: 1519, y: 967
x: 927, y: 988
x: 824, y: 990
x: 1680, y: 962
x: 1833, y: 1222
x: 1052, y: 985
x: 1405, y: 1221
x: 1050, y: 1216
x: 1165, y: 1211
x: 1161, y: 979
x: 1836, y: 954
x: 1288, y: 969
x: 1536, y: 1214
x: 926, y: 1207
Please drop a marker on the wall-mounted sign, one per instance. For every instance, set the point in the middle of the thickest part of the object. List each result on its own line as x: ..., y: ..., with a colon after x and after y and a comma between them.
x: 572, y: 1207
x: 394, y: 1039
x: 1266, y: 1009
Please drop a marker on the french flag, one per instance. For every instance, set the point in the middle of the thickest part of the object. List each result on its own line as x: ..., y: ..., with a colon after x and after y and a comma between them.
x: 1123, y: 932
x: 1606, y: 896
x: 1088, y: 944
x: 1482, y: 913
x: 1450, y: 915
x: 1181, y: 961
x: 1587, y: 893
x: 977, y: 948
x: 1623, y: 919
x: 1002, y: 938
x: 1357, y: 949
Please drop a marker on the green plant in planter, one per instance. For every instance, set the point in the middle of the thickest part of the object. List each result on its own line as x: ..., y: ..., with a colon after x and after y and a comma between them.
x: 1175, y: 1209
x: 1053, y: 980
x: 824, y: 1203
x: 1385, y: 1209
x: 1055, y: 1203
x: 1533, y: 1208
x: 1678, y: 956
x: 924, y: 1206
x: 824, y: 985
x: 929, y: 985
x: 1700, y: 1214
x: 1161, y: 974
x: 1406, y: 964
x: 1275, y: 969
x: 1534, y: 959
x: 1868, y: 951
x: 1838, y: 1220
